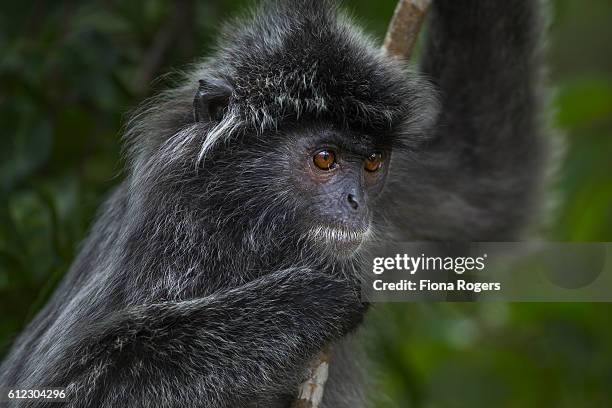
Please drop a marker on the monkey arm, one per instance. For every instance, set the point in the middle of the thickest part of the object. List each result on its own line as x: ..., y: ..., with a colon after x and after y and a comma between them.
x: 481, y: 55
x: 482, y: 167
x: 221, y: 350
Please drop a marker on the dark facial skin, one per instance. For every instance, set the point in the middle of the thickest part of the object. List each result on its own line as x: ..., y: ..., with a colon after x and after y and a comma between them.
x: 339, y: 174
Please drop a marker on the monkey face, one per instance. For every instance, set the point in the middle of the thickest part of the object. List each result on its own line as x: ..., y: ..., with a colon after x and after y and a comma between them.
x: 337, y: 175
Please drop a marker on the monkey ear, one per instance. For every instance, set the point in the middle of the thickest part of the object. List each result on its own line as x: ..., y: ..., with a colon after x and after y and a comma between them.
x: 210, y: 102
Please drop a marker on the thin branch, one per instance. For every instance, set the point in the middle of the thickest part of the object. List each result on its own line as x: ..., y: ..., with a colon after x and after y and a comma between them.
x: 310, y: 394
x: 404, y: 27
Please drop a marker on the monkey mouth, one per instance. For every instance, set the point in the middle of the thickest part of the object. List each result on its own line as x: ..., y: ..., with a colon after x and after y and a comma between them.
x: 341, y: 238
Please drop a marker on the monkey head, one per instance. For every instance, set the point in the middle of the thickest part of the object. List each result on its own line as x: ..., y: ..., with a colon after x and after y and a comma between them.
x: 292, y: 129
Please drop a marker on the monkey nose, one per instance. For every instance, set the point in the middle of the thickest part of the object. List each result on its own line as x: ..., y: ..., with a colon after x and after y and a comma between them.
x: 353, y: 201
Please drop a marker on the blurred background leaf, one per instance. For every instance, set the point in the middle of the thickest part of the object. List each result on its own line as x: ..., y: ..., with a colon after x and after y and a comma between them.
x: 71, y: 71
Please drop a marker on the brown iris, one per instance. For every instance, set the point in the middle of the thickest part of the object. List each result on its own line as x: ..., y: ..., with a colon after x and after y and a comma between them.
x: 373, y: 162
x: 325, y: 159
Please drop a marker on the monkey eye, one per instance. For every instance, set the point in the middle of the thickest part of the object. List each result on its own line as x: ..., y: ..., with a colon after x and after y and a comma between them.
x: 373, y: 162
x: 325, y: 159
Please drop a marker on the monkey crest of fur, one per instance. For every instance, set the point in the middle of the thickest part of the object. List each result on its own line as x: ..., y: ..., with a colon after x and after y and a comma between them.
x: 291, y: 61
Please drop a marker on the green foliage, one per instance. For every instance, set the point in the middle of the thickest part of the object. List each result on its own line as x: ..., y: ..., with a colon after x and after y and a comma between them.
x: 70, y: 72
